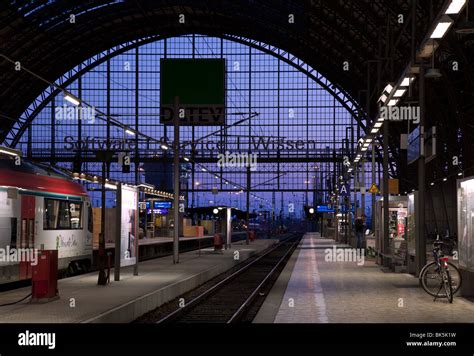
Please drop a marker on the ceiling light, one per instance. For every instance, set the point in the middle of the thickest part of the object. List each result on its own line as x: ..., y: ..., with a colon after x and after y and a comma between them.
x: 392, y: 102
x: 186, y: 159
x: 407, y: 81
x: 378, y: 124
x: 72, y: 99
x: 204, y: 169
x: 445, y: 179
x: 388, y: 89
x: 399, y: 93
x: 455, y: 7
x: 460, y: 174
x: 383, y: 98
x: 129, y: 132
x: 442, y: 27
x: 363, y: 149
x: 10, y: 151
x: 110, y: 186
x: 374, y: 130
x: 164, y: 147
x: 433, y: 73
x: 432, y: 183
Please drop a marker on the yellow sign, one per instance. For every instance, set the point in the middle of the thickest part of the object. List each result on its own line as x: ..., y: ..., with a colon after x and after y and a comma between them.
x: 373, y: 189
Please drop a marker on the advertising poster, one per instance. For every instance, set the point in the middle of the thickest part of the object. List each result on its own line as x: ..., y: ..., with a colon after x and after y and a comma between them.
x: 128, y: 226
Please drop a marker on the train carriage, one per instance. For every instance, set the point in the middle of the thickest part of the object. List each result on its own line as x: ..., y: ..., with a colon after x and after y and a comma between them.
x: 41, y: 208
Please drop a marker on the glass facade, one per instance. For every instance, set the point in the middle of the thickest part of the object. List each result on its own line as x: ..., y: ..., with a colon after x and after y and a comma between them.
x: 298, y: 131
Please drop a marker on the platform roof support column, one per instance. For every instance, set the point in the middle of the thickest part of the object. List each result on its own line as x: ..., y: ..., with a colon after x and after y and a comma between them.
x: 385, y: 236
x: 420, y: 238
x: 176, y: 183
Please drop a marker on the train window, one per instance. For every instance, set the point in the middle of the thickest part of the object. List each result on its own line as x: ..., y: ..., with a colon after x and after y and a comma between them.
x: 75, y: 210
x: 14, y: 229
x: 62, y: 215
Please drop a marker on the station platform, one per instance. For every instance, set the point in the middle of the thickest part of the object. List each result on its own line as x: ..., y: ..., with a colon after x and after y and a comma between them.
x: 313, y: 289
x: 159, y: 281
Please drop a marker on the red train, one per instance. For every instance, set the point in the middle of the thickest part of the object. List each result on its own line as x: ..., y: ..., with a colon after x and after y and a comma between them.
x: 41, y: 208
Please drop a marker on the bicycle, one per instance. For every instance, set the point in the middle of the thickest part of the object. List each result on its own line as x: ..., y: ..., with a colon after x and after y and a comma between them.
x: 440, y: 275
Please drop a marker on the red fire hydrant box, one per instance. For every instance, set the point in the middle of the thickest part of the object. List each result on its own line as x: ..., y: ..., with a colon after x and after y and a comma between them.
x: 45, y: 276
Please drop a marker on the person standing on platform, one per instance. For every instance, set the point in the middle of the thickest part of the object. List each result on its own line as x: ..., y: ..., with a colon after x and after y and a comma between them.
x: 359, y: 230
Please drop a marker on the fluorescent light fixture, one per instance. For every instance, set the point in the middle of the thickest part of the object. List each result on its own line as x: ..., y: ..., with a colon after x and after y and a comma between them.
x: 374, y: 130
x: 146, y: 185
x: 392, y: 102
x: 226, y: 182
x: 455, y: 7
x: 388, y: 89
x: 363, y: 149
x: 369, y: 140
x: 383, y: 98
x: 378, y: 124
x: 10, y: 151
x: 204, y: 169
x: 460, y: 174
x: 407, y: 81
x: 186, y: 159
x: 164, y: 147
x: 129, y: 132
x: 72, y: 99
x: 110, y: 186
x: 442, y: 27
x: 399, y: 93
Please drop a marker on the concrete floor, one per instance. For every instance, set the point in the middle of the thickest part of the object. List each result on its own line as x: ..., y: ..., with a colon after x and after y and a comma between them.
x: 159, y: 281
x: 320, y: 291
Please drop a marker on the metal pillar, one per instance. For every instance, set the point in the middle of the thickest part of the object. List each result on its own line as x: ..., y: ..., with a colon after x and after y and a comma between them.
x: 176, y: 183
x: 373, y: 182
x: 385, y: 238
x: 118, y: 240
x: 362, y: 188
x: 420, y: 258
x: 248, y: 206
x: 102, y: 280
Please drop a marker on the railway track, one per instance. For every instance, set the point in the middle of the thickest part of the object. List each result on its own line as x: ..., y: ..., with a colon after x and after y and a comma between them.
x: 238, y: 296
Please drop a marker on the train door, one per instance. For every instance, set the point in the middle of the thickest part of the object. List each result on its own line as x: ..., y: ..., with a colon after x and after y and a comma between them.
x: 27, y: 231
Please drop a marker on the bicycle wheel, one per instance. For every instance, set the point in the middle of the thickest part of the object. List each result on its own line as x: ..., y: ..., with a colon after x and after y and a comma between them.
x: 448, y: 287
x: 432, y: 282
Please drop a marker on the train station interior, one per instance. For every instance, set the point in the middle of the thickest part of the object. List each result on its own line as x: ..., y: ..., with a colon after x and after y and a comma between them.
x: 263, y: 162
